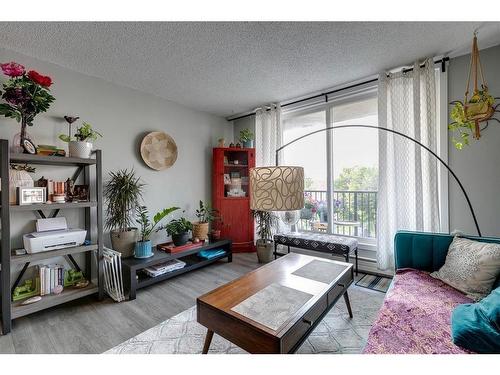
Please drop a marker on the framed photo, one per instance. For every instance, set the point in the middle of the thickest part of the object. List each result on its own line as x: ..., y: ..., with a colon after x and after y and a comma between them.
x: 29, y: 147
x: 30, y: 195
x: 81, y: 193
x: 225, y: 160
x: 227, y: 179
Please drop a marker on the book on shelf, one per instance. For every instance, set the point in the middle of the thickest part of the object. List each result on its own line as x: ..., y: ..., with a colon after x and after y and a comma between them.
x: 51, y: 276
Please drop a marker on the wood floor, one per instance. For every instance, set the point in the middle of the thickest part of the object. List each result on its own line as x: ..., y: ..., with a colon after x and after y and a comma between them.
x: 89, y: 326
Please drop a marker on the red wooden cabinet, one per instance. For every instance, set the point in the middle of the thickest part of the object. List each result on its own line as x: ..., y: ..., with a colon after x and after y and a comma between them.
x: 230, y: 189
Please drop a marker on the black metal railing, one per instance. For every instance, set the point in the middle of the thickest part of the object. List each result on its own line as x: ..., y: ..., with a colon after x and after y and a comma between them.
x: 355, y: 212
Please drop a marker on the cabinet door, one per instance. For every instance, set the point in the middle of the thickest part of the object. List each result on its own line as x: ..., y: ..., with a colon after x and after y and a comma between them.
x: 237, y: 220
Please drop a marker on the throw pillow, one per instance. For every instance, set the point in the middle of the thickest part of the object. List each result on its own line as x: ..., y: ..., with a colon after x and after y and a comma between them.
x: 471, y: 267
x: 476, y: 326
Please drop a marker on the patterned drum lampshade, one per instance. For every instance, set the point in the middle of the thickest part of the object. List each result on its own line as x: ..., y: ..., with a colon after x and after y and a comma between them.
x: 277, y: 188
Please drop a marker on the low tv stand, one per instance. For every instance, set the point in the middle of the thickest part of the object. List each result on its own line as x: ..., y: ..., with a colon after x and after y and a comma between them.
x: 134, y: 279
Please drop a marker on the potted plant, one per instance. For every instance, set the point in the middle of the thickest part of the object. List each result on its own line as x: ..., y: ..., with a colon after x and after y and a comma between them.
x: 179, y: 229
x: 26, y: 94
x: 267, y: 221
x: 81, y: 145
x: 246, y: 137
x: 143, y: 248
x: 122, y: 192
x: 205, y: 214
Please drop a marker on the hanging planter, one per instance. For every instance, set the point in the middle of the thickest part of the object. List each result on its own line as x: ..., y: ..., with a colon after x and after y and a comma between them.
x: 481, y: 107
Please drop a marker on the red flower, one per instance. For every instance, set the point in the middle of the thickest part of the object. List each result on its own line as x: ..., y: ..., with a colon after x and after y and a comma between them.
x: 36, y: 77
x: 12, y: 69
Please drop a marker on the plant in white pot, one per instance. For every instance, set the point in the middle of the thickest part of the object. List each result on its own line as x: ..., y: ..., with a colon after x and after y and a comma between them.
x: 123, y: 192
x: 80, y: 146
x: 143, y: 248
x: 205, y: 214
x: 267, y: 221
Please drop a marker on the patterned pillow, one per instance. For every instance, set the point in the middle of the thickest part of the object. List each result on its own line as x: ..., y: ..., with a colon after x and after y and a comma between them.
x: 471, y: 267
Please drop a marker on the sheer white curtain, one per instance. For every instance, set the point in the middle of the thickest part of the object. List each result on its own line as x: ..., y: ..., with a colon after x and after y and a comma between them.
x: 408, y: 174
x: 268, y: 134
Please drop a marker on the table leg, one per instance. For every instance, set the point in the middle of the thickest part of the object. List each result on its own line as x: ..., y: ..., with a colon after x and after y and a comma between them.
x: 348, y: 304
x: 208, y: 341
x: 275, y: 250
x: 133, y: 285
x: 356, y: 254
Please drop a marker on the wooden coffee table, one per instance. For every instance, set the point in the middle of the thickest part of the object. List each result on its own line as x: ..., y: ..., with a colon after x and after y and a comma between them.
x: 274, y: 308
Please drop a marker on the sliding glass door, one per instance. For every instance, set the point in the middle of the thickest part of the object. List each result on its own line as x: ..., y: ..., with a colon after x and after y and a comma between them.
x: 340, y: 166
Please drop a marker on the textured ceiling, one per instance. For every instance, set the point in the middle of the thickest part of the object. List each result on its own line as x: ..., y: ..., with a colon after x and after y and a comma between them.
x: 228, y: 68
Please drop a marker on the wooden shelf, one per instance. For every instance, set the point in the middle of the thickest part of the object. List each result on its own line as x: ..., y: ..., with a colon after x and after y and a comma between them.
x: 51, y: 254
x: 52, y: 206
x: 68, y: 294
x: 49, y: 160
x: 236, y: 165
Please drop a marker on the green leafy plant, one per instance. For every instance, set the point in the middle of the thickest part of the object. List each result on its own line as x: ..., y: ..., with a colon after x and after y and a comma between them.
x: 267, y: 222
x: 83, y: 133
x: 178, y: 226
x: 206, y: 214
x: 246, y: 135
x: 463, y: 126
x: 146, y: 225
x: 122, y: 192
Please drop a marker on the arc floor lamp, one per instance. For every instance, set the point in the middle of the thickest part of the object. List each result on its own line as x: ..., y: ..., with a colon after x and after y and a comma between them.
x: 281, y: 188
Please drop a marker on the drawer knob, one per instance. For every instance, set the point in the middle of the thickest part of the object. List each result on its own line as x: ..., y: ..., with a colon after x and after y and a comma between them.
x: 308, y: 322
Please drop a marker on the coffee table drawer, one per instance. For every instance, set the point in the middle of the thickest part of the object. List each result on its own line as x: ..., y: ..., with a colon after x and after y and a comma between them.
x: 336, y: 290
x: 295, y: 334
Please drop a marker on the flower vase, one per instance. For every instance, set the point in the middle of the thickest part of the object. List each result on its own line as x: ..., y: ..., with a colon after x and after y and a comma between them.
x: 17, y: 141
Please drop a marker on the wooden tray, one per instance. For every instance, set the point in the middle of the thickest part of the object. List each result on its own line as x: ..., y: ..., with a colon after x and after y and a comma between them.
x: 170, y: 248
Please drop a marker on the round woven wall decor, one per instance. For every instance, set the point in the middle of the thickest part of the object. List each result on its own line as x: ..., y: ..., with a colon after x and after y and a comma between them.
x: 158, y: 150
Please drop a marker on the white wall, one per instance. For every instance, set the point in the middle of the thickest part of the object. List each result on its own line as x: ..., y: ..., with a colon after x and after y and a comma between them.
x: 478, y: 166
x: 123, y: 116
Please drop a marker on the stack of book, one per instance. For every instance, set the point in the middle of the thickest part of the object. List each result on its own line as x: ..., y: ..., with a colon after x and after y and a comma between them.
x: 160, y: 269
x: 51, y: 277
x: 48, y: 150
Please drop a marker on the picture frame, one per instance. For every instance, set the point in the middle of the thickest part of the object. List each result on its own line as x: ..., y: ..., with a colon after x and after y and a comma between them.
x: 81, y: 193
x: 31, y: 195
x: 227, y: 179
x: 29, y: 147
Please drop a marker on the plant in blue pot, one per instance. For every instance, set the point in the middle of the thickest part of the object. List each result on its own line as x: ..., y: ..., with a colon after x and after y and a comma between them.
x: 143, y: 248
x: 179, y: 229
x: 246, y: 138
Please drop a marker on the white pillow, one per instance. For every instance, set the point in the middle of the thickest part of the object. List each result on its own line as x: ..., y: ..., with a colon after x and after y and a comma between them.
x: 471, y: 267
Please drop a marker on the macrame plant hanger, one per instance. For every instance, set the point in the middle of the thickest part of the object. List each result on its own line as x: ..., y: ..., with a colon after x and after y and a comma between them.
x: 477, y: 110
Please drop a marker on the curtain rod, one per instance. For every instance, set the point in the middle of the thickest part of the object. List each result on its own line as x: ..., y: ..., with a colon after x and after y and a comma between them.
x: 441, y: 61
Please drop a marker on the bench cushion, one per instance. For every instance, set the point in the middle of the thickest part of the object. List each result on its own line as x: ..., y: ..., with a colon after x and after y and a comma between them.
x: 329, y: 243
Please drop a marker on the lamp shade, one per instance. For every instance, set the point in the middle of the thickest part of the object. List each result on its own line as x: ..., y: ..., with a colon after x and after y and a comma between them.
x: 277, y: 188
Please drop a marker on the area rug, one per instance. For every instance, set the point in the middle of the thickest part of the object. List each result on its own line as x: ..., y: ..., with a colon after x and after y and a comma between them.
x: 335, y: 334
x: 378, y: 283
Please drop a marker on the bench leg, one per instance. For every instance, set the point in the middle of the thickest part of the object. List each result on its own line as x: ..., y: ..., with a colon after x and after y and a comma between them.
x: 356, y: 254
x: 275, y: 250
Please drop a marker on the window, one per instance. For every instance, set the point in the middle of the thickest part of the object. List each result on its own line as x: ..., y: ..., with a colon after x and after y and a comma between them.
x: 340, y: 166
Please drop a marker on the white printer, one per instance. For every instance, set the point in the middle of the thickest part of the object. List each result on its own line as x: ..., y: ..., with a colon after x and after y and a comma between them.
x: 53, y: 234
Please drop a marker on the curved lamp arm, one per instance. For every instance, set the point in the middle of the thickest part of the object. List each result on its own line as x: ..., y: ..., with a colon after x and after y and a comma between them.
x: 404, y: 136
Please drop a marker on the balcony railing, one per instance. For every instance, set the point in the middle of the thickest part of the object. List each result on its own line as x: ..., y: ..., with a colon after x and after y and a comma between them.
x: 355, y: 212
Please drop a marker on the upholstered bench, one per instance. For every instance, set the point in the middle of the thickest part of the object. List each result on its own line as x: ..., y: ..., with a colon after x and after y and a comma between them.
x: 325, y: 243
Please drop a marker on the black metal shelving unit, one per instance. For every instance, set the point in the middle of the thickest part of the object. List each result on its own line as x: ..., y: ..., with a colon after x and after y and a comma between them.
x: 93, y: 224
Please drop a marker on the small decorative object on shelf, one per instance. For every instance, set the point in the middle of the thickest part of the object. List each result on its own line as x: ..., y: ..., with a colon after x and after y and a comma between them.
x: 231, y: 145
x: 30, y: 195
x: 31, y: 300
x: 143, y: 248
x: 81, y: 145
x: 29, y: 147
x: 246, y: 137
x: 238, y: 145
x: 71, y: 277
x: 171, y: 248
x: 158, y: 150
x: 123, y: 192
x: 70, y: 120
x: 81, y: 193
x: 26, y: 94
x: 19, y: 176
x: 221, y: 142
x: 179, y: 229
x: 479, y: 108
x: 49, y: 150
x: 28, y: 289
